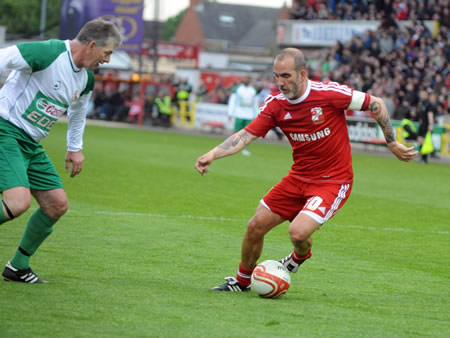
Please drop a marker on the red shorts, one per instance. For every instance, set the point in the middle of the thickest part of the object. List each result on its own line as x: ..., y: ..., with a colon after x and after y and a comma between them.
x: 319, y: 200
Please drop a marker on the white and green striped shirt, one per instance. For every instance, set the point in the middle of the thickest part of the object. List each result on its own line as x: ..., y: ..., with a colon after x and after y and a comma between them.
x: 43, y: 85
x: 243, y: 102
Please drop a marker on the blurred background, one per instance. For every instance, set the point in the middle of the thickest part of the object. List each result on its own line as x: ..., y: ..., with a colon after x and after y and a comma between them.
x: 196, y: 51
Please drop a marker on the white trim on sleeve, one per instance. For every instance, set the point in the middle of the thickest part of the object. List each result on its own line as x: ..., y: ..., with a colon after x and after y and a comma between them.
x: 357, y: 100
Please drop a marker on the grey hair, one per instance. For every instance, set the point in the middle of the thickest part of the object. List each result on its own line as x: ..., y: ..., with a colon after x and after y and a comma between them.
x: 100, y: 31
x: 296, y: 54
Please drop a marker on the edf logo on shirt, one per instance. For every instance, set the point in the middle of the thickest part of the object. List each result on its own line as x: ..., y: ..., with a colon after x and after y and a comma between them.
x: 43, y: 111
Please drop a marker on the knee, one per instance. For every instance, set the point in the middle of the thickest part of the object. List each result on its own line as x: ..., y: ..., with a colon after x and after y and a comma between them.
x: 62, y: 206
x: 57, y: 209
x: 255, y: 230
x: 18, y: 204
x: 299, y: 236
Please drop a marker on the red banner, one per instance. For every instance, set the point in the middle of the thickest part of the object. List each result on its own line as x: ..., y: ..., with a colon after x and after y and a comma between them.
x: 173, y: 50
x: 213, y: 80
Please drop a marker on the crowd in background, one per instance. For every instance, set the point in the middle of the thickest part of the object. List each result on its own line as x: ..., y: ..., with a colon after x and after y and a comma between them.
x: 395, y: 62
x: 120, y: 100
x: 371, y: 10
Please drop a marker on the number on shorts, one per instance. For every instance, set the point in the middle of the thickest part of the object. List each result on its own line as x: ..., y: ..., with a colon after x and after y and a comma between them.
x: 314, y: 202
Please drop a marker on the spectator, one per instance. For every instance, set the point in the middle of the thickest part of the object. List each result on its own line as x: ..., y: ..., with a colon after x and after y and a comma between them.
x: 121, y: 108
x: 389, y: 102
x: 202, y: 92
x: 99, y: 100
x: 401, y: 110
x: 135, y: 110
x: 409, y: 130
x: 219, y: 96
x: 164, y: 104
x: 386, y: 42
x: 426, y: 113
x: 182, y: 93
x: 116, y: 102
x: 402, y: 11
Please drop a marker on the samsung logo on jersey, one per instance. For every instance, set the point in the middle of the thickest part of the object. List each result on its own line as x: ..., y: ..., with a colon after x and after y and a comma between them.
x: 310, y: 137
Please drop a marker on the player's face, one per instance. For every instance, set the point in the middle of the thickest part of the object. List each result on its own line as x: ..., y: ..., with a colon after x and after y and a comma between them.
x: 246, y: 80
x: 289, y: 81
x: 99, y: 55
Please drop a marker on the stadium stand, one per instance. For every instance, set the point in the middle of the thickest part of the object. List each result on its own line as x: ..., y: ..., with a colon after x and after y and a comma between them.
x: 396, y: 58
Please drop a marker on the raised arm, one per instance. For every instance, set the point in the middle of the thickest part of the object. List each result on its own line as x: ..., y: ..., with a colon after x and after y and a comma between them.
x: 230, y: 146
x: 381, y: 115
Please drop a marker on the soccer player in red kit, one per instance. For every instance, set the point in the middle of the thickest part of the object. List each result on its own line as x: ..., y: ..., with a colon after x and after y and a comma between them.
x: 312, y: 116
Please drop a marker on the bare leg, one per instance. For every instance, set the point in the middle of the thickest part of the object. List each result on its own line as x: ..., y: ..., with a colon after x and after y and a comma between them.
x: 53, y: 202
x: 300, y: 230
x: 252, y: 244
x: 17, y: 199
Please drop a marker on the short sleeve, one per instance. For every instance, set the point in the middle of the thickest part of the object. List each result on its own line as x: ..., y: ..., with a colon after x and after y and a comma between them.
x: 264, y: 122
x: 40, y: 55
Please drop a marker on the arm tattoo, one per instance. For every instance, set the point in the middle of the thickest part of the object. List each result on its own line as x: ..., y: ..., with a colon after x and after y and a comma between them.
x: 245, y: 137
x: 375, y: 108
x: 384, y: 121
x: 233, y: 141
x: 386, y: 125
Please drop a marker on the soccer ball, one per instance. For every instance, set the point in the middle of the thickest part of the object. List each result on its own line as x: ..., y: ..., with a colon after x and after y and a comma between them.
x: 270, y: 279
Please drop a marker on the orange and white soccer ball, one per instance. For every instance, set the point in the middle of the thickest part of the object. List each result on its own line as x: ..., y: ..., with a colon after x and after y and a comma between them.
x: 270, y: 279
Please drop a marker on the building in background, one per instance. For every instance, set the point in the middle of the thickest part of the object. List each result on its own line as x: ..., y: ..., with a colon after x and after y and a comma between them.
x: 235, y: 37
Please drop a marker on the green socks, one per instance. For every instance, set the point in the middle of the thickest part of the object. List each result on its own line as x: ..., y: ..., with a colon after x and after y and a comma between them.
x: 38, y: 228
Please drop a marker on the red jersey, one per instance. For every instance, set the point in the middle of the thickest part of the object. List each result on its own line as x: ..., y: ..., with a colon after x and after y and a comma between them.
x: 315, y: 126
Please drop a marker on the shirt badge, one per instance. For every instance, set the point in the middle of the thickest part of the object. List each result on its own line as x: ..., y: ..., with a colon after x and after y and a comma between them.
x: 75, y: 96
x: 317, y: 115
x: 57, y: 85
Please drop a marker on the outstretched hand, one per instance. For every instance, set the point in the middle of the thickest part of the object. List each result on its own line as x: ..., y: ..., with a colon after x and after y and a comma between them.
x: 403, y: 153
x: 203, y: 163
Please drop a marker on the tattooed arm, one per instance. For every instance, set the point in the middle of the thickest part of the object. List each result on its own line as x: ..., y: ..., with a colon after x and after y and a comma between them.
x: 381, y: 115
x: 230, y: 146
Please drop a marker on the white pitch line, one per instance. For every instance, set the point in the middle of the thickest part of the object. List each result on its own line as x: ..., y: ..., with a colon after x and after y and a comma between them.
x: 224, y: 219
x: 126, y: 213
x: 362, y: 227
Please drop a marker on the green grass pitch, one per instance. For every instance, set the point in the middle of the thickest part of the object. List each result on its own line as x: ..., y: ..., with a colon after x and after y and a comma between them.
x: 146, y: 237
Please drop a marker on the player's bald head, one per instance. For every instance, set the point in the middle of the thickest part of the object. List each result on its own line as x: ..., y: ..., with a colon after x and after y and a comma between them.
x: 295, y: 54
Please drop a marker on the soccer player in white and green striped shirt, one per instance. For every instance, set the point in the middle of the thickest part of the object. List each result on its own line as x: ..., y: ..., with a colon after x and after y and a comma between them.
x: 47, y: 79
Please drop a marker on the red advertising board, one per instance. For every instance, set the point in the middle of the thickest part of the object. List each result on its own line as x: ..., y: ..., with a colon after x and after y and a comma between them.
x: 211, y: 80
x: 172, y: 50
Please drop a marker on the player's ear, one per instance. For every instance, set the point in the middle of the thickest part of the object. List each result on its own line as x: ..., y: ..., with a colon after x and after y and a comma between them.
x: 92, y: 45
x: 302, y: 73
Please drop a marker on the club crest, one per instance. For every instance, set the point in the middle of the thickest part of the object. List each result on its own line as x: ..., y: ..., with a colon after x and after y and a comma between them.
x: 75, y: 96
x: 317, y: 115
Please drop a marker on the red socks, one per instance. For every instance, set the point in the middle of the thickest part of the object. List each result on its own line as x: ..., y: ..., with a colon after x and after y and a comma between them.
x: 244, y: 276
x: 300, y: 259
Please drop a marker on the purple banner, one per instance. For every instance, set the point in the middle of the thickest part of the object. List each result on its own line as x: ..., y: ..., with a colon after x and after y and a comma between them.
x: 125, y: 14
